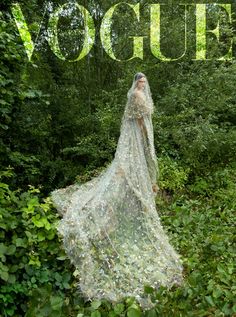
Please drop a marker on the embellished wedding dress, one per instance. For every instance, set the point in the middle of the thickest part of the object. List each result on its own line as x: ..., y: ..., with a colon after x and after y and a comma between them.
x: 110, y: 226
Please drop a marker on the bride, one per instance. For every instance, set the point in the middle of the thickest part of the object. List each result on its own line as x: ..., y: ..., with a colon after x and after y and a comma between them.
x: 110, y: 226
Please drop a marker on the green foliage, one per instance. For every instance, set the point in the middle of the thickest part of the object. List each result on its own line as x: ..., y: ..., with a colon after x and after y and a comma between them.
x: 99, y: 145
x: 173, y: 176
x: 62, y: 119
x: 38, y: 280
x: 19, y: 128
x: 30, y: 252
x: 197, y: 117
x: 202, y: 229
x: 218, y: 184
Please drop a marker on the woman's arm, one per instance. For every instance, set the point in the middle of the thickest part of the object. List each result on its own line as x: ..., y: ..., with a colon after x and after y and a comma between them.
x: 142, y: 125
x: 155, y: 188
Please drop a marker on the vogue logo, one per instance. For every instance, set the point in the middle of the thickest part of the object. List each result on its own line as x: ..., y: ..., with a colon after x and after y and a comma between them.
x: 137, y: 41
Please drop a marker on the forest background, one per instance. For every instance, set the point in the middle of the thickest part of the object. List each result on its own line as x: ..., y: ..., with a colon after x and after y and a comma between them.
x: 60, y: 123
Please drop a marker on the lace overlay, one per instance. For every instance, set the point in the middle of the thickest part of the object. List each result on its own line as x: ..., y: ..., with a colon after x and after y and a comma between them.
x: 137, y: 106
x: 111, y: 229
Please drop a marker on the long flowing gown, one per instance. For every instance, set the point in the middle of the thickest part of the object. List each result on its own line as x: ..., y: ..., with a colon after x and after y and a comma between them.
x: 110, y: 226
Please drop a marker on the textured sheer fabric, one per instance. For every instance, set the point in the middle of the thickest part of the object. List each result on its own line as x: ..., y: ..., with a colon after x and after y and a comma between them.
x: 110, y: 226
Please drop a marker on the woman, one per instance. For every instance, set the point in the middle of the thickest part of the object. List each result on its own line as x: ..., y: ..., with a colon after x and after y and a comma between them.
x: 110, y: 226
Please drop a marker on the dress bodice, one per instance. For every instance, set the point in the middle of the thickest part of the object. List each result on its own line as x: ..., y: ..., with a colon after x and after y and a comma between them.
x: 137, y: 106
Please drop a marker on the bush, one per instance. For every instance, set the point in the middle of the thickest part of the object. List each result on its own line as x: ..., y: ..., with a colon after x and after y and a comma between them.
x: 30, y: 251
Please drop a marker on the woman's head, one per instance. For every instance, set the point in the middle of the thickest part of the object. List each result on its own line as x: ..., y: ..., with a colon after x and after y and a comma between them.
x: 140, y: 80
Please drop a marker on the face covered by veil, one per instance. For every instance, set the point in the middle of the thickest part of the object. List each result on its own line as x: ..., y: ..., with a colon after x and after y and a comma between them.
x: 132, y: 97
x: 110, y: 226
x: 146, y: 88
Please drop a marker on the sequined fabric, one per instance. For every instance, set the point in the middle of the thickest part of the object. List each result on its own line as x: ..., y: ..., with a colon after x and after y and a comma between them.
x: 137, y: 106
x: 110, y: 226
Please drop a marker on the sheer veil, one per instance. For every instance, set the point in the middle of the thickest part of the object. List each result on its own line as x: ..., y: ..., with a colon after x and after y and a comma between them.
x: 146, y: 91
x: 110, y: 226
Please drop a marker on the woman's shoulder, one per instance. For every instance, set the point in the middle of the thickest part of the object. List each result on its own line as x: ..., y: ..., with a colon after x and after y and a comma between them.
x: 137, y: 105
x: 137, y: 93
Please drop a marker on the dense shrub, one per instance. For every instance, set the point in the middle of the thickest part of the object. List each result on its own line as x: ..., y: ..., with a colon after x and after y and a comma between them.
x: 38, y: 280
